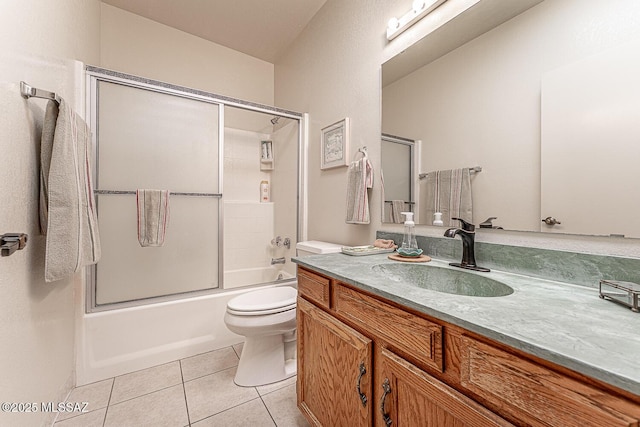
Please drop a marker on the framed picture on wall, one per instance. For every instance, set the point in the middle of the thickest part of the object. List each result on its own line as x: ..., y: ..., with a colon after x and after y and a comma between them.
x: 335, y: 145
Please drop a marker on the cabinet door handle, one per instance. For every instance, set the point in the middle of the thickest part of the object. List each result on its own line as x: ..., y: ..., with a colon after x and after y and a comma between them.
x: 363, y: 397
x: 387, y: 389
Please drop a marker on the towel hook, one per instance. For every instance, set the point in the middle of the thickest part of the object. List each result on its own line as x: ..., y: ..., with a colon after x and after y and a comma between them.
x: 362, y: 150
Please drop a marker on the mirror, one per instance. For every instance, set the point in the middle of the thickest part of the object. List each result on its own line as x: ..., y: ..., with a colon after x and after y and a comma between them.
x: 501, y: 102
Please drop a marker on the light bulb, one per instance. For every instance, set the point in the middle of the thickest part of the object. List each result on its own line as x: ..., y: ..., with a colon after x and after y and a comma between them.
x: 393, y: 24
x: 418, y: 5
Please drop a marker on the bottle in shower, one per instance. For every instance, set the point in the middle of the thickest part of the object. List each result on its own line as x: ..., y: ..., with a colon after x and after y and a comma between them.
x: 265, y: 193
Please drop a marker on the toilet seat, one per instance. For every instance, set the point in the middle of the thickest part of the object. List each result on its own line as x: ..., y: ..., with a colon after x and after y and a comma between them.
x: 264, y: 301
x: 261, y: 312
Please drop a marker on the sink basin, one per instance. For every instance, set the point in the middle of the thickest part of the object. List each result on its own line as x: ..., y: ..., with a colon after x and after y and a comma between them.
x: 458, y: 282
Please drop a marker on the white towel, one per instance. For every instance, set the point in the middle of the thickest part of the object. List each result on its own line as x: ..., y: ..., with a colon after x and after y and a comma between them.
x: 449, y: 192
x: 153, y: 216
x: 67, y: 206
x: 360, y: 178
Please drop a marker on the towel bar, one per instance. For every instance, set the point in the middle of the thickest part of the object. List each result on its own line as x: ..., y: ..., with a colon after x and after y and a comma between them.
x: 474, y: 169
x: 28, y: 92
x: 172, y: 193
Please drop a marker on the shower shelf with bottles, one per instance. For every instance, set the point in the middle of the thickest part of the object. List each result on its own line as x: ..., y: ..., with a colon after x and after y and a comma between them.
x: 267, y: 162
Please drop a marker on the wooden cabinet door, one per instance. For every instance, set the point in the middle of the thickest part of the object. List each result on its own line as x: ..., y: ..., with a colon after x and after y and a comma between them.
x: 411, y: 397
x: 334, y: 370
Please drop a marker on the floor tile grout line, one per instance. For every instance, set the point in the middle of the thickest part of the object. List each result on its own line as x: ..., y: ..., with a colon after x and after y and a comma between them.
x: 145, y: 394
x: 268, y: 411
x: 235, y: 351
x: 88, y: 412
x: 113, y: 383
x: 184, y: 392
x: 210, y: 373
x: 230, y: 408
x: 145, y: 369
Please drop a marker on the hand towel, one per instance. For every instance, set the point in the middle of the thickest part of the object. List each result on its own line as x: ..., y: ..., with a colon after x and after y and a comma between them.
x: 359, y: 179
x: 153, y: 217
x: 397, y: 206
x: 67, y: 206
x: 449, y: 192
x: 384, y: 244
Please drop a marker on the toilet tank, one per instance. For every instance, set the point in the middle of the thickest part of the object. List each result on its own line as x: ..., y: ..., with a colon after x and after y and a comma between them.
x: 314, y: 247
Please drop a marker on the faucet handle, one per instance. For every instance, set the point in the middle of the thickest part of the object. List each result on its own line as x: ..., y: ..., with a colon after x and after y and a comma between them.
x: 487, y: 222
x: 466, y: 226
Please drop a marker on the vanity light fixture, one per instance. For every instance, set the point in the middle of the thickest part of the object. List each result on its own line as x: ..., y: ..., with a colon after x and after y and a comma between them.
x: 419, y: 9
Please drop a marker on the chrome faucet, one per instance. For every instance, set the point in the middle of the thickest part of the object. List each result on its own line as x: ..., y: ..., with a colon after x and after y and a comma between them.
x: 468, y: 235
x: 278, y: 260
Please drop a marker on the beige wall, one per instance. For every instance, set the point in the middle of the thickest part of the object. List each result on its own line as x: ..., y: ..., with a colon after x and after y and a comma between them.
x: 38, y: 41
x: 139, y: 46
x: 332, y: 71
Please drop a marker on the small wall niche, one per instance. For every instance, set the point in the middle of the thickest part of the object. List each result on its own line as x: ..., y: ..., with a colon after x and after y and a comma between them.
x: 267, y: 161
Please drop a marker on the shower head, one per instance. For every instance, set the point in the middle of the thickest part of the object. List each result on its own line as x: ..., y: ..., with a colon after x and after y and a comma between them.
x: 274, y: 121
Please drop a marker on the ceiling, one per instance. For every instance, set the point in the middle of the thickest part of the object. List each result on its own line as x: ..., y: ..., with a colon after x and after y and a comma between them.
x: 259, y: 28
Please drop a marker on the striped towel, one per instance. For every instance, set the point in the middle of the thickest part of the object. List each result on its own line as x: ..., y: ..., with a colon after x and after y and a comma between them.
x: 360, y: 178
x: 153, y: 216
x: 449, y: 192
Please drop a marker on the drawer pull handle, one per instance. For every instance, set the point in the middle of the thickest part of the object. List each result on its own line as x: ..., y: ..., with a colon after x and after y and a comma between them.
x: 387, y: 389
x: 363, y: 397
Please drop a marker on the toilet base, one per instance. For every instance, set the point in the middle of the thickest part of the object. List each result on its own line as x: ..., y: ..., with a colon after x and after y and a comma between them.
x: 262, y: 361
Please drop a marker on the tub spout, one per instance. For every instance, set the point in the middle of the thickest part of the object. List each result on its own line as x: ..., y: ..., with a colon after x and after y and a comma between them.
x: 278, y: 260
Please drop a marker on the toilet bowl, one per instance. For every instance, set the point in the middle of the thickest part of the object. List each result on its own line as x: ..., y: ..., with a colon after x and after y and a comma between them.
x: 267, y: 320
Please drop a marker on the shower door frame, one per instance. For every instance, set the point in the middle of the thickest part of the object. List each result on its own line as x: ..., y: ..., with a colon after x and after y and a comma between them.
x: 94, y: 75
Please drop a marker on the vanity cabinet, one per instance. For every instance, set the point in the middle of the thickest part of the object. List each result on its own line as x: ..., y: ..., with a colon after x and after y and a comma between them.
x: 367, y: 361
x: 334, y: 370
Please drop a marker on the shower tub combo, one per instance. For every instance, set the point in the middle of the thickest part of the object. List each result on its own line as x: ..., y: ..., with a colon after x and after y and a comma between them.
x: 148, y: 306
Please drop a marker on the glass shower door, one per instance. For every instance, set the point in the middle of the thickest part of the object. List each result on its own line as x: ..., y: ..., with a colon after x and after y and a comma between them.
x: 152, y: 139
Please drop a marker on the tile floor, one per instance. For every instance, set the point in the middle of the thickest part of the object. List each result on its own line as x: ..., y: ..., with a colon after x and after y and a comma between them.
x: 197, y: 391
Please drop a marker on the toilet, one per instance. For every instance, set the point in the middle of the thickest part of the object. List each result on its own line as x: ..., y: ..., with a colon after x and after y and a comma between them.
x: 267, y: 320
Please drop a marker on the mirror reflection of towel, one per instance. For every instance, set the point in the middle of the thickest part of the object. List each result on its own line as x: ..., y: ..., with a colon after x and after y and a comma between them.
x: 397, y: 206
x: 449, y: 192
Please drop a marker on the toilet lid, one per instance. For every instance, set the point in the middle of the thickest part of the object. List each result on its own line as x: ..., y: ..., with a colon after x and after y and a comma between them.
x: 270, y: 299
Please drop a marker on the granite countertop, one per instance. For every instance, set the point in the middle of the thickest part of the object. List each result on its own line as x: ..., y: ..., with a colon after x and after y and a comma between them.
x: 565, y: 324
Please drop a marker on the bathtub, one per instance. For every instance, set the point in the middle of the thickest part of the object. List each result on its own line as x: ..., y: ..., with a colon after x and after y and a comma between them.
x: 116, y: 342
x: 249, y: 276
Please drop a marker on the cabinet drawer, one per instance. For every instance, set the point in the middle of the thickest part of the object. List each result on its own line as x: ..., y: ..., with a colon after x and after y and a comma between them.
x: 313, y: 287
x: 537, y: 395
x: 414, y: 336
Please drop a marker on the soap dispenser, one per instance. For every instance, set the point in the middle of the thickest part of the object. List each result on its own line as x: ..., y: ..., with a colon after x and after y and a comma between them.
x: 409, y: 238
x: 437, y: 219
